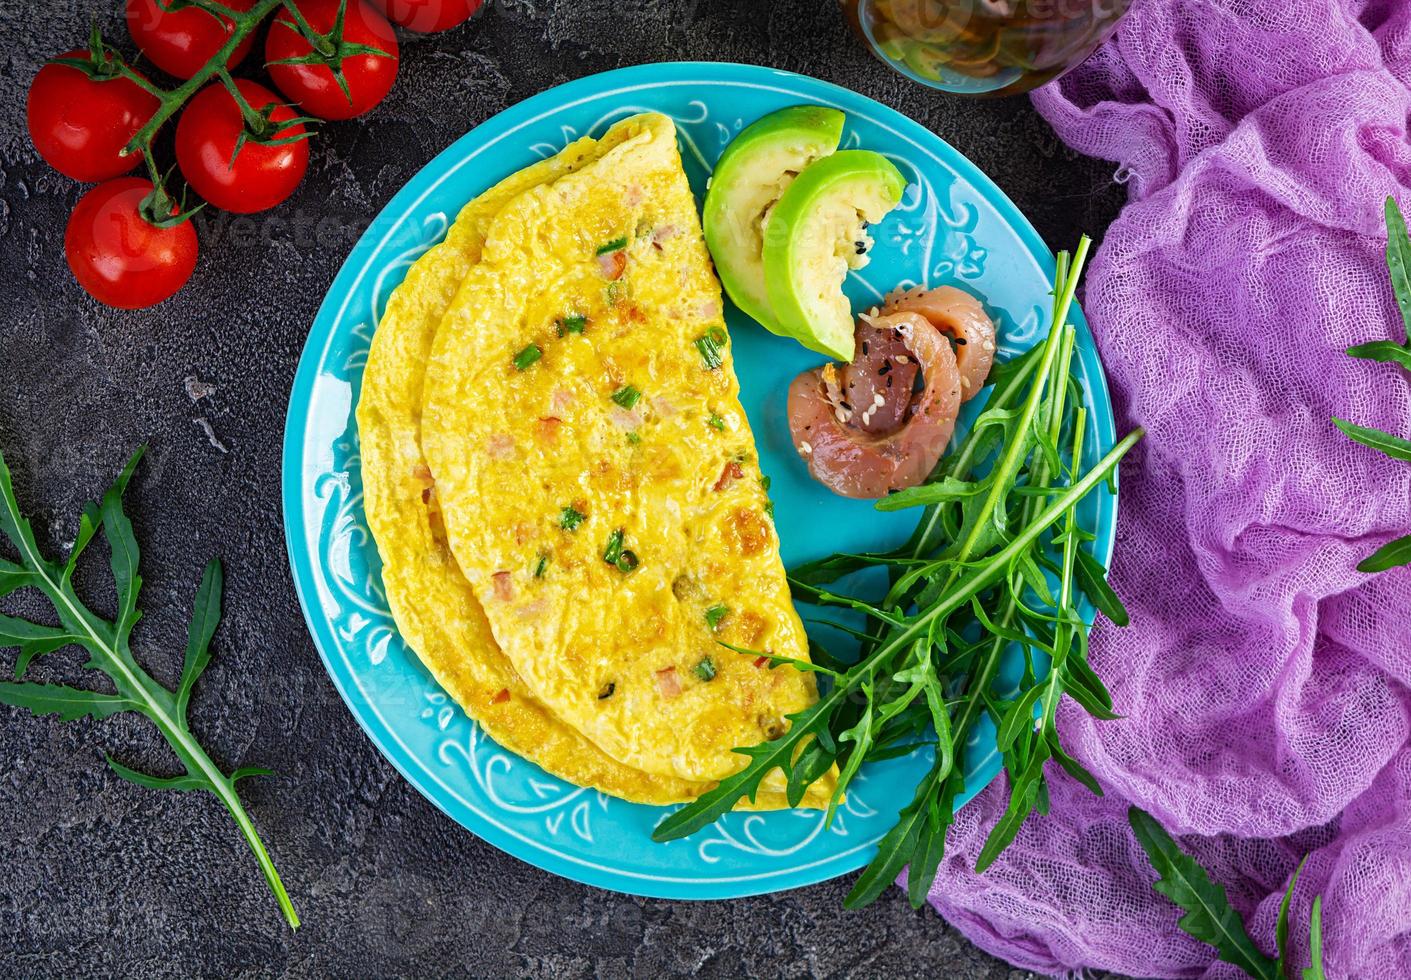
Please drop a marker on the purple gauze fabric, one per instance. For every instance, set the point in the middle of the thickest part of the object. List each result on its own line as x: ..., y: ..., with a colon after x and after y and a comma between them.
x: 1266, y: 683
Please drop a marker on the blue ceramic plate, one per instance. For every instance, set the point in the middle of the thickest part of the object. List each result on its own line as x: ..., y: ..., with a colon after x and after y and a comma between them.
x: 954, y: 226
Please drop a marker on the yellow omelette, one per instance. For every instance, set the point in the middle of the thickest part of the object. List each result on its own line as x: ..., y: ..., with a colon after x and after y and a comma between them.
x: 435, y: 609
x: 597, y: 476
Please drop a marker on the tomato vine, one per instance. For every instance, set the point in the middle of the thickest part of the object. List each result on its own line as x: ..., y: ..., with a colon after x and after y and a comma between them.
x: 94, y: 116
x: 104, y: 63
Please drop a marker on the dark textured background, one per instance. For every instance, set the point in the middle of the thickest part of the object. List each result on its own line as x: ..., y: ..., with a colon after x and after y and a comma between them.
x: 100, y: 877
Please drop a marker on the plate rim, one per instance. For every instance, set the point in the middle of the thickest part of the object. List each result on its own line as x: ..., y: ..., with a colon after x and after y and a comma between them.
x: 348, y: 279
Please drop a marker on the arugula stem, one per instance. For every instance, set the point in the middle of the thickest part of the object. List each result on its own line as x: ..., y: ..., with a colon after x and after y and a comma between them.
x: 157, y: 704
x: 225, y: 792
x: 143, y: 693
x: 981, y: 679
x: 1063, y: 632
x: 970, y: 452
x: 1018, y: 448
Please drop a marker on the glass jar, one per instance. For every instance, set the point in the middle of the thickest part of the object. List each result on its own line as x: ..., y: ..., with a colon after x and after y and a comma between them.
x: 983, y: 47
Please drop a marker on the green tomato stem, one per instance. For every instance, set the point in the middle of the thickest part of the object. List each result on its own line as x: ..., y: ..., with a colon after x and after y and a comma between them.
x: 244, y: 23
x: 321, y: 43
x: 218, y: 9
x: 256, y: 124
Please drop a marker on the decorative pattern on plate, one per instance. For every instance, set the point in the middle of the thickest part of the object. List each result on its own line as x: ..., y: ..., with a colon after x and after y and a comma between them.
x: 951, y: 220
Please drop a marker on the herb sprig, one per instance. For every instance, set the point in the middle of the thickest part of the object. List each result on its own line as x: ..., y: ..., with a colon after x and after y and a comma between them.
x: 1210, y: 918
x: 998, y: 559
x: 108, y: 646
x: 1398, y: 255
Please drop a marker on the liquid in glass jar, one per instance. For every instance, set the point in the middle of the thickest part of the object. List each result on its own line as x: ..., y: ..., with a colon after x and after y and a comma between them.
x: 984, y: 47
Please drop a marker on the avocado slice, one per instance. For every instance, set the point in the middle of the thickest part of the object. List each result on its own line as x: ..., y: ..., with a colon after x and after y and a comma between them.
x: 816, y: 234
x: 749, y: 178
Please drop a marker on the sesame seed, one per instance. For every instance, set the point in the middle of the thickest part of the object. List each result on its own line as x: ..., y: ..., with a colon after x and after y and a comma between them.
x: 988, y: 345
x: 805, y: 448
x: 903, y: 359
x: 878, y: 400
x: 965, y: 382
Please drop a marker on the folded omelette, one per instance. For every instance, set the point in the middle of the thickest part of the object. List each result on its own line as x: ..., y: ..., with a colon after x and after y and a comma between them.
x: 574, y: 435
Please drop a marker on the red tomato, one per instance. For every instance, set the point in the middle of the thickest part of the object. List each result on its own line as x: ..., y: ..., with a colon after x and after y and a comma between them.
x: 313, y: 86
x: 80, y: 125
x: 181, y: 41
x: 119, y: 257
x: 262, y: 175
x: 426, y: 16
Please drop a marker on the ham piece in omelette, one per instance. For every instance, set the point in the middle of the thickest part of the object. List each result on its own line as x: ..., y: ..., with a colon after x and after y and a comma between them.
x: 597, y: 476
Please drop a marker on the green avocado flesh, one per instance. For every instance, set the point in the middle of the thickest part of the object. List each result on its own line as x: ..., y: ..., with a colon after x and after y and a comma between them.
x: 815, y: 235
x: 750, y: 177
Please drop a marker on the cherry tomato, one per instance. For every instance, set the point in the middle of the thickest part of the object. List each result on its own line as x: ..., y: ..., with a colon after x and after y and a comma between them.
x: 80, y: 125
x: 263, y: 174
x: 180, y: 42
x: 119, y: 257
x: 313, y: 86
x: 427, y: 16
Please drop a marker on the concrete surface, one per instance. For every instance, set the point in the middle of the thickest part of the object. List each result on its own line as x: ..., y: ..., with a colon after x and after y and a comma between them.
x: 99, y: 877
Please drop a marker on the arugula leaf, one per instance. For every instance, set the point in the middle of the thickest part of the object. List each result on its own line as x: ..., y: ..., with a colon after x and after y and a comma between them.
x: 69, y: 703
x: 1383, y: 442
x: 816, y: 759
x: 828, y: 570
x: 931, y: 841
x: 1398, y: 256
x: 1315, y: 942
x: 32, y: 639
x: 108, y: 646
x: 1092, y: 579
x: 1071, y: 765
x: 13, y: 577
x: 187, y: 782
x: 1385, y: 351
x: 205, y: 617
x: 1208, y: 916
x: 779, y: 753
x: 1390, y: 555
x: 124, y: 557
x: 1281, y: 929
x: 945, y: 489
x: 895, y: 848
x: 91, y: 518
x: 1398, y: 253
x: 1019, y: 718
x: 1023, y: 794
